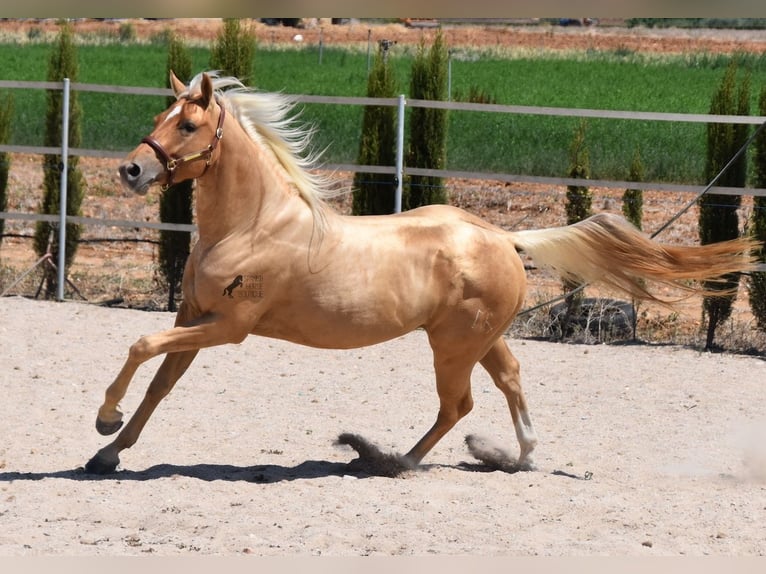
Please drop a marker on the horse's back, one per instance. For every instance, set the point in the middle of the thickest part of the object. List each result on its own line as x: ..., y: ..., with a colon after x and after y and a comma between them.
x: 446, y: 219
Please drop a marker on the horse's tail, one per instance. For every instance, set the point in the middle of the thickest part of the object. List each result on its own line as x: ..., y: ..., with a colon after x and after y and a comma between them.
x: 607, y: 249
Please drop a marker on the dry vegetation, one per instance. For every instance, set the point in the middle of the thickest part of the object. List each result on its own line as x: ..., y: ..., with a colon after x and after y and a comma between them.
x: 123, y: 268
x: 608, y: 35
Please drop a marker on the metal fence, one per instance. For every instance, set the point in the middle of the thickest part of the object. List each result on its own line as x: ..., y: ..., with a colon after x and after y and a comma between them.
x: 399, y: 170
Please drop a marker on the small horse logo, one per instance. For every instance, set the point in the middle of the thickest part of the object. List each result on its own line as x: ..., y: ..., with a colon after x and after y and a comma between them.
x: 233, y: 285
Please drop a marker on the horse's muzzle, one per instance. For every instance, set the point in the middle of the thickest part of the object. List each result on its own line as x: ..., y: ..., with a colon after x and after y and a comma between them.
x: 136, y: 178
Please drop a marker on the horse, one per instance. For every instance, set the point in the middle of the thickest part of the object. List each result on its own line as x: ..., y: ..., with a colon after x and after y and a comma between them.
x: 274, y: 259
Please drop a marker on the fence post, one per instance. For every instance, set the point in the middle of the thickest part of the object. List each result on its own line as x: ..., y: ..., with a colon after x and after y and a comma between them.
x: 399, y: 154
x: 63, y: 190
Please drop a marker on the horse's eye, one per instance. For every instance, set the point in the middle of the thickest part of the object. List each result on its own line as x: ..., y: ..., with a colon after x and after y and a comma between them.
x: 188, y: 126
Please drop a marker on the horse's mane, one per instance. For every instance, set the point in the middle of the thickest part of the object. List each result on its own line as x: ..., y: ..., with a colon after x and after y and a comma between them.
x: 268, y: 119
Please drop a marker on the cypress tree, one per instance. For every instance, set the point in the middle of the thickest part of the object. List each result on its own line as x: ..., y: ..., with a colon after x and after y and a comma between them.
x: 758, y: 279
x: 579, y: 198
x: 578, y: 206
x: 428, y: 126
x: 633, y: 199
x: 62, y: 64
x: 233, y: 50
x: 374, y: 193
x: 632, y: 209
x: 718, y: 219
x: 176, y: 201
x: 6, y: 112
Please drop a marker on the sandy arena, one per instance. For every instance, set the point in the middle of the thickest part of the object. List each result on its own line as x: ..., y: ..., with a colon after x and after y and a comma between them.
x: 665, y: 460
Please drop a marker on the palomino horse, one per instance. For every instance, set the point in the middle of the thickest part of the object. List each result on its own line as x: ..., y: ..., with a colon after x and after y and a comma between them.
x: 273, y: 259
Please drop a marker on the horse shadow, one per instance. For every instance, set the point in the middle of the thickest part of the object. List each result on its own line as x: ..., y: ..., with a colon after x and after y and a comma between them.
x: 371, y: 462
x: 268, y: 473
x: 262, y: 474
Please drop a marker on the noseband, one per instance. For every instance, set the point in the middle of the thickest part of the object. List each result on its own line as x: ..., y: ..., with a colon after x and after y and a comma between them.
x: 172, y: 163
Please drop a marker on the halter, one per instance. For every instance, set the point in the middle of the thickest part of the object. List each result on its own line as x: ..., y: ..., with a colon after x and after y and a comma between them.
x: 171, y: 163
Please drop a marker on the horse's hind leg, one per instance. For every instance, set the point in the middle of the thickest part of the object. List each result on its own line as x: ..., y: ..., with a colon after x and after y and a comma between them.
x: 453, y: 384
x: 504, y: 370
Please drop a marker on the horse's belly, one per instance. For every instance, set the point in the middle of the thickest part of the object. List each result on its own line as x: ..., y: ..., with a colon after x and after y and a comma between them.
x: 340, y: 328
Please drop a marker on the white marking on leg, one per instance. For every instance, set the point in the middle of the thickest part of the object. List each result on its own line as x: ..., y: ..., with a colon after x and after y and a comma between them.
x: 526, y: 435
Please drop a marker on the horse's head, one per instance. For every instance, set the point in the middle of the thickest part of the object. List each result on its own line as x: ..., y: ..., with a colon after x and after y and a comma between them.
x: 183, y: 141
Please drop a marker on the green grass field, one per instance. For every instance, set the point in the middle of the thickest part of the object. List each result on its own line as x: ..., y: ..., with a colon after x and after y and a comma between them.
x: 533, y: 145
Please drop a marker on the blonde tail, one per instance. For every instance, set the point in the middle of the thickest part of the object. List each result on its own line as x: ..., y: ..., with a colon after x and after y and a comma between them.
x: 607, y: 249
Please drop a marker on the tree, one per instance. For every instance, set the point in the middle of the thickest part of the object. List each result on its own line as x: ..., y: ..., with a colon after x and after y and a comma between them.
x: 176, y: 201
x: 62, y: 64
x: 6, y: 112
x: 579, y: 200
x: 233, y: 50
x: 374, y: 193
x: 758, y: 279
x: 632, y: 209
x: 718, y: 219
x: 428, y: 126
x: 633, y: 199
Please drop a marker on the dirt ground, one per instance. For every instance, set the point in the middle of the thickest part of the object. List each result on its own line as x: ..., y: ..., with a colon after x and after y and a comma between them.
x: 606, y: 34
x: 239, y: 459
x: 645, y: 450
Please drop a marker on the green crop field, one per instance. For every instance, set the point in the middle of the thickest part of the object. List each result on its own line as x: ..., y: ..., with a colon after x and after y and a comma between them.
x: 477, y: 141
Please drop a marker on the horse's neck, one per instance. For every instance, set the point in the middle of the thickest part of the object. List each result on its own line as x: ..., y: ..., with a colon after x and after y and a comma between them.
x: 245, y: 188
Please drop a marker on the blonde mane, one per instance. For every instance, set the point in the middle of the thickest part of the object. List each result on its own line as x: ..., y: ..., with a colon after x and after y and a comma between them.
x: 268, y: 119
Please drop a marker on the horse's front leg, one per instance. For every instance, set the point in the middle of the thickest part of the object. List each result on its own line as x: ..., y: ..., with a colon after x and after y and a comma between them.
x: 106, y: 460
x: 181, y: 345
x: 109, y: 418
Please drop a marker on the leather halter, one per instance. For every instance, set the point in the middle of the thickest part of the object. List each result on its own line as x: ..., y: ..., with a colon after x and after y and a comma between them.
x: 172, y: 163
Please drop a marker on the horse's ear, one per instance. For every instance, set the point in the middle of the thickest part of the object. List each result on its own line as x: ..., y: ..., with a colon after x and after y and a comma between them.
x: 177, y: 85
x: 207, y: 91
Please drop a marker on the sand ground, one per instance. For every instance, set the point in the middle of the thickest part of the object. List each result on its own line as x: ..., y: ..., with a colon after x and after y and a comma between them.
x: 644, y: 450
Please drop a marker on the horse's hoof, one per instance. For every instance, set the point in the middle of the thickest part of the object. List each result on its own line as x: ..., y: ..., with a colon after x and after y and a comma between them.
x: 105, y: 428
x: 100, y: 465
